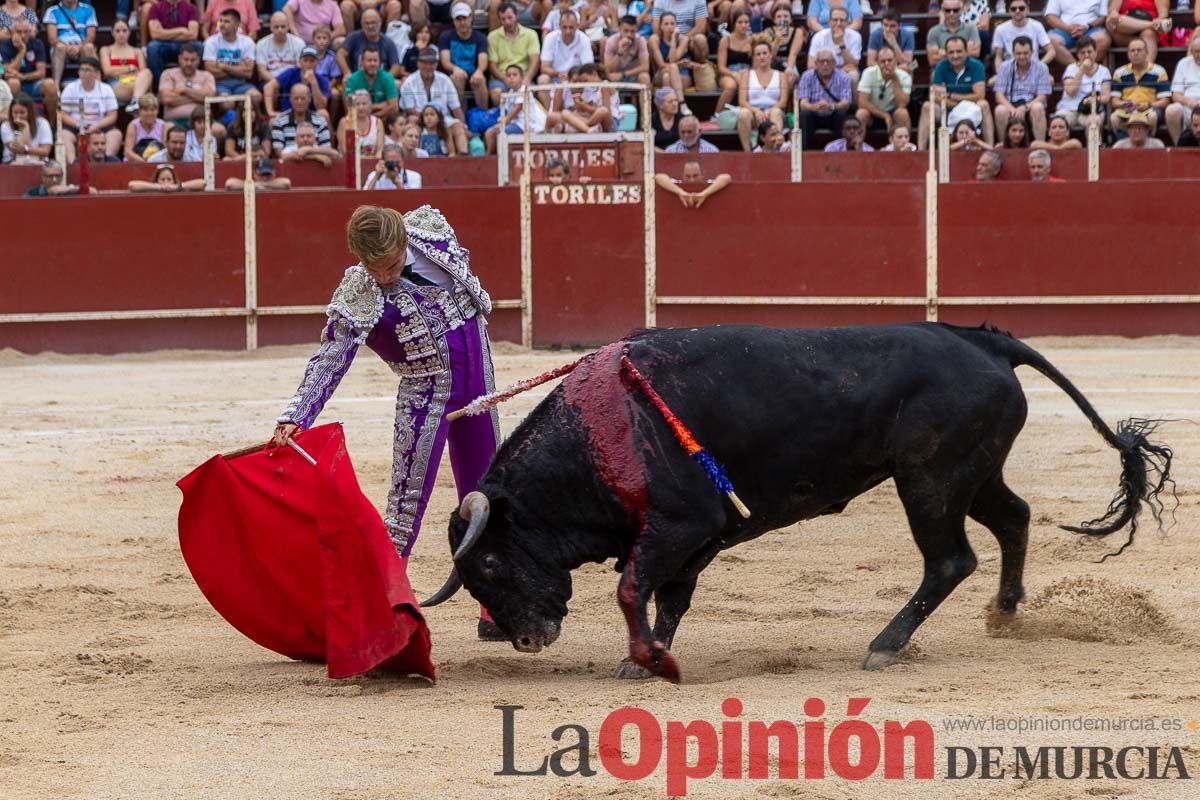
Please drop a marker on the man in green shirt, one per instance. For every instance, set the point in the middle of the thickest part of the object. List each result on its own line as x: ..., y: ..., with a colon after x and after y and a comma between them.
x: 511, y: 44
x: 380, y: 84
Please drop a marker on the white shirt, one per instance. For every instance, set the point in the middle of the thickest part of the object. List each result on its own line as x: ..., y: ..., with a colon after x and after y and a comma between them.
x: 275, y: 57
x: 217, y: 48
x: 410, y: 179
x: 1086, y: 84
x: 96, y: 103
x: 1077, y: 12
x: 561, y: 56
x: 1007, y: 32
x: 1187, y: 78
x: 823, y: 40
x: 537, y: 114
x: 39, y: 135
x: 426, y: 269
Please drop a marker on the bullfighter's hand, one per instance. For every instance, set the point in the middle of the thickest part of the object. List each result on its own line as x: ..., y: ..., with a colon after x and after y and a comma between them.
x: 283, y: 433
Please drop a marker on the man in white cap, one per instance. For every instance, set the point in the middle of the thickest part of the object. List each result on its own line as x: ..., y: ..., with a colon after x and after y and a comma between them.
x: 464, y: 54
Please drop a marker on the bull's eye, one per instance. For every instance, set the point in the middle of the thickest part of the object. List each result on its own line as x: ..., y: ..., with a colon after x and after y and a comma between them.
x: 490, y: 562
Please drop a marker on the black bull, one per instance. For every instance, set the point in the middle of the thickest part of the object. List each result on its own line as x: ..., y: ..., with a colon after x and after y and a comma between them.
x: 804, y: 421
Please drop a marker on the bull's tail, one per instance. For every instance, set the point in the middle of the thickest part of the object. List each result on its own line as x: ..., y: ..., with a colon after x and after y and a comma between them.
x: 1145, y: 465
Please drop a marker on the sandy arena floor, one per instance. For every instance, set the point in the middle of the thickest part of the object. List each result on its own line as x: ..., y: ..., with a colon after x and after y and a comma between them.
x: 119, y: 681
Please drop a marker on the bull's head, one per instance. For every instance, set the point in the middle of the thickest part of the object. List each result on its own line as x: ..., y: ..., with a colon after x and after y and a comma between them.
x: 525, y: 591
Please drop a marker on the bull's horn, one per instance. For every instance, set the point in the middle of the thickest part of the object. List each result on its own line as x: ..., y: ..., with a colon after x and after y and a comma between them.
x: 452, y: 585
x: 474, y: 510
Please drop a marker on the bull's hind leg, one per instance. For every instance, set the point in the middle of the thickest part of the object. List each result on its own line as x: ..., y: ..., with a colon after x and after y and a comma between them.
x: 937, y: 518
x: 1006, y: 515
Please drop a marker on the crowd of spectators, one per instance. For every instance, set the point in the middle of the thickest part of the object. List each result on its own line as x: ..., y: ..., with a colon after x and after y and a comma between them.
x: 410, y: 79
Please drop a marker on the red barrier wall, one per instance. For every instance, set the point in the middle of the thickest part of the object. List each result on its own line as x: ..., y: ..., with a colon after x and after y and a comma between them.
x: 766, y: 239
x: 818, y: 239
x: 301, y: 256
x: 589, y: 278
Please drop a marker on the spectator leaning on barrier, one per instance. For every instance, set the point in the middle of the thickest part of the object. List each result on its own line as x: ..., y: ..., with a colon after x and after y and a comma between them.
x: 175, y: 151
x: 1039, y: 167
x: 951, y: 25
x: 958, y: 83
x: 277, y: 93
x: 511, y: 44
x: 53, y: 182
x: 390, y: 172
x: 379, y: 84
x: 172, y: 23
x: 824, y: 93
x: 693, y: 173
x: 883, y: 93
x: 284, y: 125
x: 89, y: 105
x: 1185, y: 90
x: 1058, y: 135
x: 557, y: 171
x: 305, y: 148
x: 371, y: 35
x: 988, y: 166
x: 428, y: 87
x: 71, y: 32
x: 1191, y: 137
x: 1072, y: 21
x: 464, y: 55
x: 889, y: 34
x: 264, y: 179
x: 1020, y: 25
x: 844, y: 43
x: 689, y: 138
x: 275, y: 53
x: 691, y: 20
x: 166, y: 181
x: 563, y: 49
x: 1139, y: 138
x: 1087, y: 87
x: 24, y: 61
x: 25, y: 138
x: 964, y: 137
x: 1022, y: 86
x: 1141, y: 87
x: 229, y: 57
x: 900, y: 140
x: 852, y: 139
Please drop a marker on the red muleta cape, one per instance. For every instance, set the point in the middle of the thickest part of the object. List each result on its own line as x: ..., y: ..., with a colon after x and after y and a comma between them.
x: 297, y: 558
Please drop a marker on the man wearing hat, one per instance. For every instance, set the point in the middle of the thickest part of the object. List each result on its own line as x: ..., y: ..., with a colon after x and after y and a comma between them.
x: 1137, y: 125
x: 464, y: 54
x: 428, y: 87
x: 305, y: 72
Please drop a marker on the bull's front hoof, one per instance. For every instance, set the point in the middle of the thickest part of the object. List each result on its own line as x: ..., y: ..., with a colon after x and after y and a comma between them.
x: 878, y: 659
x: 627, y: 670
x: 657, y: 660
x: 488, y: 631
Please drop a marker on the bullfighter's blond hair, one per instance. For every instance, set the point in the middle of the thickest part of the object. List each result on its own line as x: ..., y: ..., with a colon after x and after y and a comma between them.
x: 373, y: 233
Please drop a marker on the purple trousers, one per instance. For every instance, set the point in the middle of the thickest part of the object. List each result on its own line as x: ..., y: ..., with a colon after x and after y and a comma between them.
x: 422, y: 430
